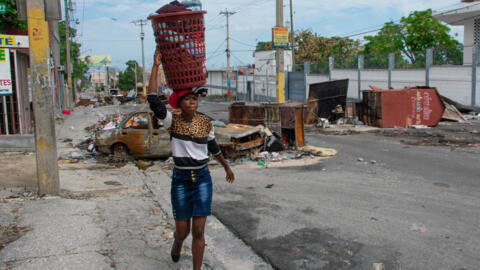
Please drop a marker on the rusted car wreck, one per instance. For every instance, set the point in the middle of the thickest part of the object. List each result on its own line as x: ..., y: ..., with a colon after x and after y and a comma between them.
x: 142, y: 135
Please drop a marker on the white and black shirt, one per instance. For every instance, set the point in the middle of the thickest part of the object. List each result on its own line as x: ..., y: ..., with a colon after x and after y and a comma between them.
x: 192, y: 141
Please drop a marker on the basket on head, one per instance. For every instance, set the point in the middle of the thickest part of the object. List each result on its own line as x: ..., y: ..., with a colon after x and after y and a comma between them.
x: 180, y: 37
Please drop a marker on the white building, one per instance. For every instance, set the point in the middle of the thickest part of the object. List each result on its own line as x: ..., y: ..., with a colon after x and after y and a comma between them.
x: 265, y: 62
x: 468, y: 16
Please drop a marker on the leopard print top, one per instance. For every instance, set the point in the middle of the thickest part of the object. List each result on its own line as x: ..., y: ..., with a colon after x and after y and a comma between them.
x: 199, y: 127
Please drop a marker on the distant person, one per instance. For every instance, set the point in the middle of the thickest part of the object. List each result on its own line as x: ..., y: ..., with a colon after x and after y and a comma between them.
x: 192, y: 139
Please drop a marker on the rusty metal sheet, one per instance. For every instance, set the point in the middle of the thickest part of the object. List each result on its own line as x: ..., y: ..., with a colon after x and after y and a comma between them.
x: 237, y: 130
x: 240, y: 113
x: 249, y: 145
x: 451, y: 113
x: 401, y: 108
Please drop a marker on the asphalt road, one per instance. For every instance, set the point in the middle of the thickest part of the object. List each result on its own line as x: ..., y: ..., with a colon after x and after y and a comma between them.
x: 415, y: 207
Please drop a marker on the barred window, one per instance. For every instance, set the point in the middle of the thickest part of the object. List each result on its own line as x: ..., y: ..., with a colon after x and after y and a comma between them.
x: 476, y: 32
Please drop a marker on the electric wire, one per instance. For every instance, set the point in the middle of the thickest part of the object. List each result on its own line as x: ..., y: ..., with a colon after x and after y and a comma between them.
x: 238, y: 41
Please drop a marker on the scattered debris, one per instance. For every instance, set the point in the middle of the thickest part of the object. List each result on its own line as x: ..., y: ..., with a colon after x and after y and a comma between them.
x: 419, y: 127
x: 112, y: 183
x: 319, y: 151
x: 378, y: 266
x: 418, y: 228
x: 11, y: 233
x: 143, y: 165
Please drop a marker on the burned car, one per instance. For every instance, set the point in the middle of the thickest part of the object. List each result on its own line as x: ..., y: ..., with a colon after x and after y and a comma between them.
x: 142, y: 135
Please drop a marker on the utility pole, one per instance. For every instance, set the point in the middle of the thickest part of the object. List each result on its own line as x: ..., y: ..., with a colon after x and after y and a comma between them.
x: 67, y: 48
x: 280, y: 58
x: 142, y: 37
x: 135, y: 78
x: 292, y: 36
x: 45, y: 142
x: 229, y: 69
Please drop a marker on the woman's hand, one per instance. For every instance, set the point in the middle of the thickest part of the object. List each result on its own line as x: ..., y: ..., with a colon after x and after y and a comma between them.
x: 230, y: 176
x: 157, y: 58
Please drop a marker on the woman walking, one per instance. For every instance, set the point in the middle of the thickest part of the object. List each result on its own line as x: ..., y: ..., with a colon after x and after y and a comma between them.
x: 192, y: 139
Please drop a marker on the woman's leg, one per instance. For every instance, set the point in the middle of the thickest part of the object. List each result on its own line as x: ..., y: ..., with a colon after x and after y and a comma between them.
x: 182, y: 229
x: 198, y: 241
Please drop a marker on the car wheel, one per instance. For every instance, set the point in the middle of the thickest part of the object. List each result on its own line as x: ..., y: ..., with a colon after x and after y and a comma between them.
x: 120, y: 150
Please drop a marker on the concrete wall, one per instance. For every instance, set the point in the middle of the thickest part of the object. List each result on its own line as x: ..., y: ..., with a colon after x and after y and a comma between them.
x: 452, y: 82
x: 17, y: 143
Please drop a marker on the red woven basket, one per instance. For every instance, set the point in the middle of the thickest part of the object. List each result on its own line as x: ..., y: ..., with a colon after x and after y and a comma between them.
x: 180, y: 37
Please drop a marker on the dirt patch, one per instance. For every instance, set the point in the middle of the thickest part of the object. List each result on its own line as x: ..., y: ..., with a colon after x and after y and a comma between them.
x: 11, y: 233
x: 445, y: 134
x: 18, y: 170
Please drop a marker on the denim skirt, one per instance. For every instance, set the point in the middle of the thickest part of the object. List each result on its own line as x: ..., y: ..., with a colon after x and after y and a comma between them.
x: 191, y: 193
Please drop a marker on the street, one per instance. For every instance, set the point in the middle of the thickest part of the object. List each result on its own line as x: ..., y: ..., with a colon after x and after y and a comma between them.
x: 408, y: 207
x: 380, y: 202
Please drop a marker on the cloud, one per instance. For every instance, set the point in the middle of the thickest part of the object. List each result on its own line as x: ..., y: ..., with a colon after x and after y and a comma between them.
x: 252, y: 22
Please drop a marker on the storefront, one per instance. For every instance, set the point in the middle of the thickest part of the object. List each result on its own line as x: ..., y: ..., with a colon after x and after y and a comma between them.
x: 15, y: 96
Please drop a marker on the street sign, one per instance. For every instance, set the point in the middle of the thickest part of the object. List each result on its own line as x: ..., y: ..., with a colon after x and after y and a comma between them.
x: 280, y: 37
x: 3, y: 8
x: 5, y: 73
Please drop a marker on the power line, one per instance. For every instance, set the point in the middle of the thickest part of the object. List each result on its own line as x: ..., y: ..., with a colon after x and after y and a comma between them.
x: 241, y: 62
x: 219, y: 46
x: 238, y: 41
x: 379, y: 27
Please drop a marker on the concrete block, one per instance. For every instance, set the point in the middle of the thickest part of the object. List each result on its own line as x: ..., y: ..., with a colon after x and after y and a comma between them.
x: 17, y: 143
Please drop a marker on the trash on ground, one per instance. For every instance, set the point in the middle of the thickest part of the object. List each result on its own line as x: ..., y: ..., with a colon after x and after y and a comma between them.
x: 418, y: 228
x: 419, y: 127
x: 378, y: 266
x: 319, y: 151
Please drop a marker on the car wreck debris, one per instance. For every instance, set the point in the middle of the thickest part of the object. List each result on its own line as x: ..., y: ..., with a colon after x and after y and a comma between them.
x: 286, y: 120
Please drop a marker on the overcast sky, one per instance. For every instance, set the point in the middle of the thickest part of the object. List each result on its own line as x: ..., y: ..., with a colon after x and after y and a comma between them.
x: 105, y: 26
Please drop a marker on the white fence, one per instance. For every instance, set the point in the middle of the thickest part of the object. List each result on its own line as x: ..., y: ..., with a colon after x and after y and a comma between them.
x: 454, y: 82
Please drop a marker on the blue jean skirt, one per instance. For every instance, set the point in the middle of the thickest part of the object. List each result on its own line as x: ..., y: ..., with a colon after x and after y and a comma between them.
x: 191, y: 193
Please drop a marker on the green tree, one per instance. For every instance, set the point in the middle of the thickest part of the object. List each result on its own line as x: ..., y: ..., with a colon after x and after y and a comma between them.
x: 317, y: 49
x: 264, y: 46
x: 10, y: 18
x: 80, y: 68
x: 126, y: 79
x: 411, y: 37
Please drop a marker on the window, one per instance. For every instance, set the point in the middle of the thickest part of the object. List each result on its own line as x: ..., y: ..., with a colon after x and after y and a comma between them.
x: 137, y: 121
x: 476, y: 31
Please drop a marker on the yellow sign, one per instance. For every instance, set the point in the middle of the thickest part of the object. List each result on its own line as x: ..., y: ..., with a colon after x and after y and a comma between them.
x: 7, y: 41
x: 5, y: 73
x: 280, y: 37
x: 2, y: 55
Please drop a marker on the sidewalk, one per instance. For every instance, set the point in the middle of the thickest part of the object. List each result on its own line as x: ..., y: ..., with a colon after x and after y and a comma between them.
x: 105, y: 217
x: 109, y: 218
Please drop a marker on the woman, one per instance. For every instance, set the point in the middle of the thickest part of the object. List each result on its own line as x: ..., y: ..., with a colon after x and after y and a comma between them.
x: 192, y: 139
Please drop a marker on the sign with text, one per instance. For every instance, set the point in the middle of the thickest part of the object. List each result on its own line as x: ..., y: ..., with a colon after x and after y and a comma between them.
x: 10, y: 41
x: 97, y: 61
x: 5, y: 73
x: 3, y: 8
x: 280, y: 37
